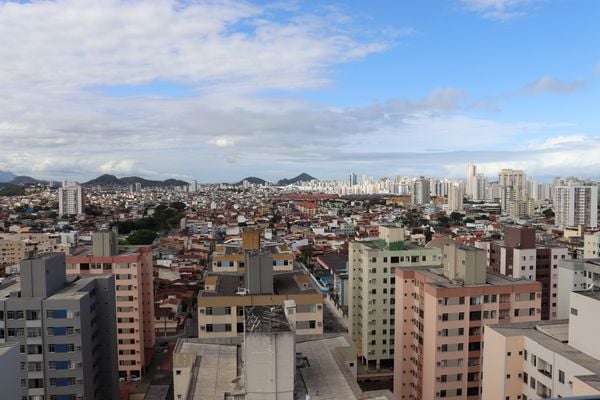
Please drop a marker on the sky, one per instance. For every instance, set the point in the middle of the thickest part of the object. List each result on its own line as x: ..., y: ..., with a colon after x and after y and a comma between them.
x: 220, y: 90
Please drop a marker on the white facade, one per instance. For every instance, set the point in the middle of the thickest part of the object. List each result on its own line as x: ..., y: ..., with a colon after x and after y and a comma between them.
x: 576, y: 204
x: 471, y: 174
x: 70, y: 199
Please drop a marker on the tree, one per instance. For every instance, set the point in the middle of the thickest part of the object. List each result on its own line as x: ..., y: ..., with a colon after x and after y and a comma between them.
x: 456, y: 217
x: 142, y: 237
x: 177, y: 205
x: 548, y: 213
x: 306, y: 255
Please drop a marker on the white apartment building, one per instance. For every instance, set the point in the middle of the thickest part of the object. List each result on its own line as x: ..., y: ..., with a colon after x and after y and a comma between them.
x: 372, y: 281
x: 575, y: 275
x: 534, y: 360
x: 576, y: 203
x: 71, y: 199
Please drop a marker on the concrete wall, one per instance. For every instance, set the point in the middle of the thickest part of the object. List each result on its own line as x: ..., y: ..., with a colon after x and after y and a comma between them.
x: 10, y: 378
x: 270, y: 363
x: 584, y: 324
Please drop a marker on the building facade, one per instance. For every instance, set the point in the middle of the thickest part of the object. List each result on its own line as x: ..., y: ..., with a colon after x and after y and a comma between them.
x: 576, y: 203
x: 520, y: 256
x: 65, y: 330
x: 132, y: 270
x: 440, y: 317
x: 547, y: 359
x: 372, y: 284
x: 71, y: 199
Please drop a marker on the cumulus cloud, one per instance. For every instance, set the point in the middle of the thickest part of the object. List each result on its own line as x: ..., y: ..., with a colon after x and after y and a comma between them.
x: 500, y: 10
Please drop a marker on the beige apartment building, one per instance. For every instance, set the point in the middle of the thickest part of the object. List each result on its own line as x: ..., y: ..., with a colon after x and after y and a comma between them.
x: 15, y: 247
x: 231, y: 257
x: 371, y: 308
x: 132, y: 268
x: 257, y: 278
x: 549, y: 359
x: 440, y: 318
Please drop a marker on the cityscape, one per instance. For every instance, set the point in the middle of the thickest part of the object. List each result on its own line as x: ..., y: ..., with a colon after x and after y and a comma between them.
x: 251, y: 200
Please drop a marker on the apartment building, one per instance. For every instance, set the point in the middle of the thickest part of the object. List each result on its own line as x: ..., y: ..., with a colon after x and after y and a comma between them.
x: 520, y: 256
x: 576, y: 203
x: 440, y: 315
x: 258, y: 275
x: 132, y: 269
x: 591, y: 245
x: 221, y: 304
x: 536, y: 360
x: 15, y: 247
x: 65, y: 330
x: 575, y: 275
x: 372, y: 282
x: 71, y: 199
x: 513, y: 187
x: 231, y: 257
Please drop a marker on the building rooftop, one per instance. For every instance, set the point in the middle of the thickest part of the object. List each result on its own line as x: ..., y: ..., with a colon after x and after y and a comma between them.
x: 263, y: 319
x: 438, y: 279
x: 217, y: 367
x: 593, y: 294
x: 288, y: 282
x: 86, y: 251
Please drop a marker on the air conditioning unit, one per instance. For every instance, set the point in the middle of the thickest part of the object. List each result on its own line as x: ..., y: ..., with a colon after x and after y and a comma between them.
x: 79, y: 364
x: 79, y: 381
x: 319, y: 323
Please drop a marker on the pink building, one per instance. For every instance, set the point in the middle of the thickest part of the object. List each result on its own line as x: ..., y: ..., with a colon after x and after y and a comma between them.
x: 440, y: 317
x: 132, y: 268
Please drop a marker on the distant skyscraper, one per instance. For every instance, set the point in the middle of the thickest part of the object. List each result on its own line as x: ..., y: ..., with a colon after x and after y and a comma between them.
x: 471, y: 173
x: 420, y: 191
x: 353, y: 179
x: 513, y: 187
x: 194, y: 186
x: 71, y: 199
x: 576, y: 203
x: 455, y: 198
x: 479, y: 187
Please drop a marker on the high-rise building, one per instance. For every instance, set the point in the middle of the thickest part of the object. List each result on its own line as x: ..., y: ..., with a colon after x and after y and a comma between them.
x: 65, y: 330
x: 134, y: 283
x: 420, y: 191
x: 471, y: 174
x: 591, y: 245
x: 372, y: 284
x: 550, y: 359
x: 71, y: 200
x: 513, y: 186
x: 440, y: 314
x: 194, y: 186
x: 353, y: 179
x: 455, y: 198
x: 520, y: 256
x: 576, y: 203
x: 479, y: 184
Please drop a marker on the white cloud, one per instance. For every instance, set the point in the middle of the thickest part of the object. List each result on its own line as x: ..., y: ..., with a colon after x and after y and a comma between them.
x: 222, y: 142
x: 500, y: 10
x: 548, y: 84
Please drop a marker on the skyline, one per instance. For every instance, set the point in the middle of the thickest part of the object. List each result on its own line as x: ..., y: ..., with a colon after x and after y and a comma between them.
x: 173, y: 89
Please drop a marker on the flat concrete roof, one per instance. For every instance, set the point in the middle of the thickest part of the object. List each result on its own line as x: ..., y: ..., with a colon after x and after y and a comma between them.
x: 217, y: 368
x: 323, y: 379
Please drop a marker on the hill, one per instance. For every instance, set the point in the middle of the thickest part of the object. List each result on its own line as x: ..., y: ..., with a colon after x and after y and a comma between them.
x: 111, y: 180
x: 26, y: 180
x: 303, y: 177
x: 104, y: 180
x: 252, y: 179
x: 6, y: 176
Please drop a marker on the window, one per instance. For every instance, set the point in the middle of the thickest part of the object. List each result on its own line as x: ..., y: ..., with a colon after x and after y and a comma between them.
x: 209, y: 327
x: 561, y: 376
x: 574, y: 311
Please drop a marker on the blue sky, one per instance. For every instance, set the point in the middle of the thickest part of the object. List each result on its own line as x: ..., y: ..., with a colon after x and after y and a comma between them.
x: 220, y: 90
